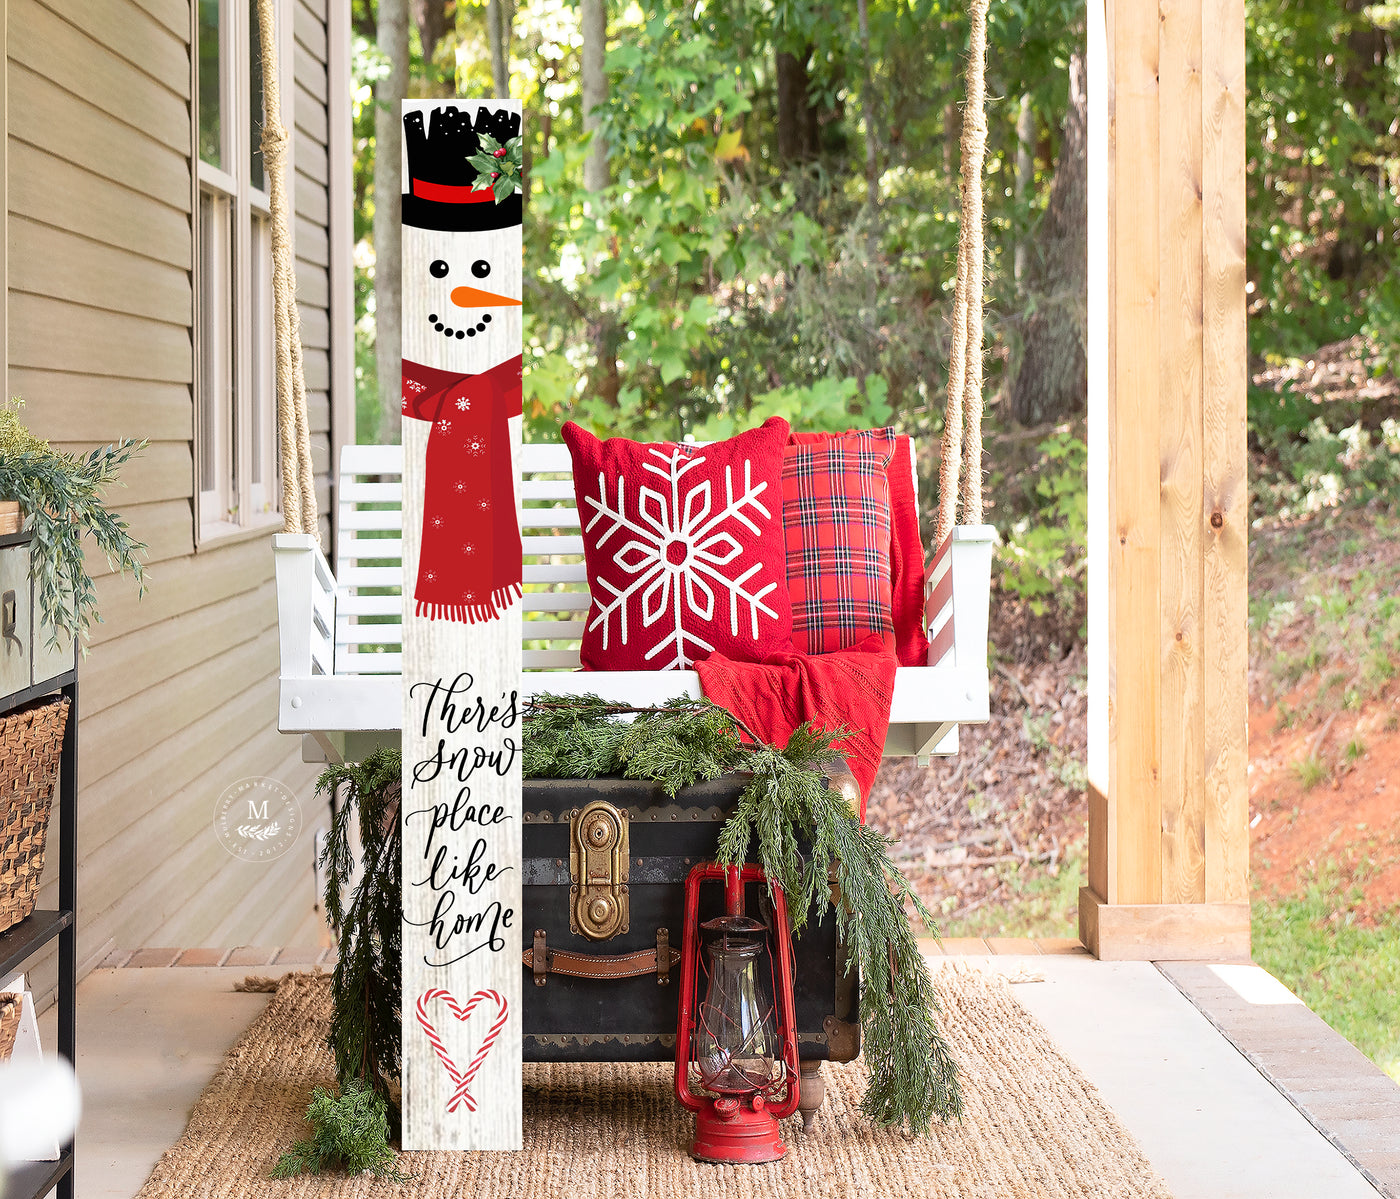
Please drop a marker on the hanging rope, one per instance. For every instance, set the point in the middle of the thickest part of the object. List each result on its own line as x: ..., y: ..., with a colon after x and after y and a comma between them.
x: 962, y: 417
x: 293, y: 426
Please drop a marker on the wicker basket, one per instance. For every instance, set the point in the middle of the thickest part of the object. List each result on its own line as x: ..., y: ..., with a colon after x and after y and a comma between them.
x: 10, y: 1008
x: 31, y: 738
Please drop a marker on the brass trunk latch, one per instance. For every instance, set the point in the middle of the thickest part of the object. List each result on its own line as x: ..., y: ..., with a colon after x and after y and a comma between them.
x: 598, y: 906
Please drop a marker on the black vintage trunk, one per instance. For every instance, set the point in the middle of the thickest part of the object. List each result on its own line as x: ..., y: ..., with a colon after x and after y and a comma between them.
x: 634, y: 1019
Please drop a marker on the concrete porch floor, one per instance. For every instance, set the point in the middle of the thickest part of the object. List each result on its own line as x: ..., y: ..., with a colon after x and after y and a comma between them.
x: 150, y: 1039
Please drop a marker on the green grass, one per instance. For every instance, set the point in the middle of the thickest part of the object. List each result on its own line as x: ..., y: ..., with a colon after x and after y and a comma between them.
x: 1029, y: 904
x: 1310, y: 772
x: 1348, y: 975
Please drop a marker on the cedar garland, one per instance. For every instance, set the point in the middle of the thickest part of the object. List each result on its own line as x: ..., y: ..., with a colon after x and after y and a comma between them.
x: 913, y: 1077
x: 786, y: 805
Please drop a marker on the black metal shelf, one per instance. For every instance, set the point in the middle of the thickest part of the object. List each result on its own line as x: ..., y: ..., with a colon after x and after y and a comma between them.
x: 36, y: 1179
x: 47, y: 687
x: 25, y: 939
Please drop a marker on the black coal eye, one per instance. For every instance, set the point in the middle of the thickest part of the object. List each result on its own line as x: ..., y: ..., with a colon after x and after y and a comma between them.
x: 439, y: 268
x: 481, y: 268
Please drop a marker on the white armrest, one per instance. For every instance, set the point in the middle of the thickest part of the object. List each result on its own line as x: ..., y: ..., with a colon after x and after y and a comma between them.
x: 972, y: 582
x: 305, y: 606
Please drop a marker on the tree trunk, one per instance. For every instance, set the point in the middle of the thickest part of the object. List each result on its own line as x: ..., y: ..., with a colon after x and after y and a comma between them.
x: 1052, y: 382
x: 867, y: 107
x: 797, y: 118
x: 498, y: 22
x: 1025, y: 172
x: 433, y: 19
x: 388, y: 187
x: 594, y: 21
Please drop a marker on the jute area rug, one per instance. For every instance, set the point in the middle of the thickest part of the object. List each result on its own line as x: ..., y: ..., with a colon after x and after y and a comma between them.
x: 1035, y: 1128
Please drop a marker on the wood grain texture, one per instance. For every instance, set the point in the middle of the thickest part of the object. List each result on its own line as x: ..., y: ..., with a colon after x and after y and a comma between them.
x: 46, y: 331
x: 180, y: 689
x: 128, y: 30
x: 1226, y: 497
x: 1168, y: 839
x: 72, y: 57
x: 61, y: 265
x: 1169, y: 932
x: 44, y: 114
x: 1135, y: 515
x: 72, y: 198
x: 1180, y: 423
x: 489, y: 655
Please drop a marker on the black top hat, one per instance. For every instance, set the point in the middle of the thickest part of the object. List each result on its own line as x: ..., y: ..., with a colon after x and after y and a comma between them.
x: 440, y: 192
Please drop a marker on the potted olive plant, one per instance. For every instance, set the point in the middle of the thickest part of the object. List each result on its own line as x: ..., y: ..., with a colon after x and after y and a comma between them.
x: 60, y: 497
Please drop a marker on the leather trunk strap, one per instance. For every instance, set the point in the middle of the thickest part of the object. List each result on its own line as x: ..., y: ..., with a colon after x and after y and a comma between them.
x: 583, y: 965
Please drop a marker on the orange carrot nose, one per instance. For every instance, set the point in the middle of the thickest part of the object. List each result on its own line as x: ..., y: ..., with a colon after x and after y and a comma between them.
x: 474, y: 297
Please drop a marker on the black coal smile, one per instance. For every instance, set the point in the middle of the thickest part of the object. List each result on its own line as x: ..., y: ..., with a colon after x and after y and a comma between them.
x: 448, y: 331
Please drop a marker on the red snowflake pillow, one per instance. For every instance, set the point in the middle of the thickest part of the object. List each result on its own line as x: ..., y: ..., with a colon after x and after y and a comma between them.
x: 684, y: 548
x: 836, y: 518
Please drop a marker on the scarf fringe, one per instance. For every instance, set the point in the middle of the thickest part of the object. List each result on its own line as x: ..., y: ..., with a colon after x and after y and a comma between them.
x: 493, y: 609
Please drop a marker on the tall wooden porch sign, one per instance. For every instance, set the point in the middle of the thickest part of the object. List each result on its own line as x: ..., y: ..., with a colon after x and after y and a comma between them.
x: 461, y: 633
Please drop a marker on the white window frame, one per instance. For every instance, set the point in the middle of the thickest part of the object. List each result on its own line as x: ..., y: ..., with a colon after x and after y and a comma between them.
x: 233, y: 267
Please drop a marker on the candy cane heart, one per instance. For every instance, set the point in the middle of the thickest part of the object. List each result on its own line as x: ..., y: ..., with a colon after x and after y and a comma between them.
x: 461, y: 1079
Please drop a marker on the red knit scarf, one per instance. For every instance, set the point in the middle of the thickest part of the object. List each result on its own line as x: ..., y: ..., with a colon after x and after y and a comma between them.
x: 469, y: 565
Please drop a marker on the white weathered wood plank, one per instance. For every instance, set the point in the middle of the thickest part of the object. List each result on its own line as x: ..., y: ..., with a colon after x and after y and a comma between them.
x: 475, y: 663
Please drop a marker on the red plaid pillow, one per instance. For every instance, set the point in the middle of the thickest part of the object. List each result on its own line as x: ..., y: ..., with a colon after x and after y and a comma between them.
x: 906, y: 545
x: 836, y: 521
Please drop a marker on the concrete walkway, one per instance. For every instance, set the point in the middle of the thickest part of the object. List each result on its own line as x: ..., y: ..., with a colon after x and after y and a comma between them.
x: 150, y: 1039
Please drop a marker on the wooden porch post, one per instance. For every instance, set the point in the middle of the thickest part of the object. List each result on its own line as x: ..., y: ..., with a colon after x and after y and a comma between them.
x: 1168, y: 817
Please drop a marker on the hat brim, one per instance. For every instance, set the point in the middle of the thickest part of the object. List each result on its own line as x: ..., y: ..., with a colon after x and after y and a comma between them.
x: 461, y: 218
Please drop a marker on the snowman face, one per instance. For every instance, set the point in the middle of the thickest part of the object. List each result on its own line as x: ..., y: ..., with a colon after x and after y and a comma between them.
x: 461, y: 298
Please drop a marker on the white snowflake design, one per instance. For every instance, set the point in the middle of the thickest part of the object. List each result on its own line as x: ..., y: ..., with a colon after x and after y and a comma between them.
x: 468, y: 548
x: 475, y: 447
x: 445, y: 426
x: 483, y: 505
x: 464, y: 404
x: 675, y: 553
x: 460, y: 485
x: 438, y: 522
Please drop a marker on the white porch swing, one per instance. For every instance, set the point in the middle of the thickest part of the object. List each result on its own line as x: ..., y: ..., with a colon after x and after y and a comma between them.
x: 341, y: 633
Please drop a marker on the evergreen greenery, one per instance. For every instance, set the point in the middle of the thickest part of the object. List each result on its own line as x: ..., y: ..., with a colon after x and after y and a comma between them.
x: 349, y: 1131
x: 365, y: 987
x: 786, y: 806
x: 61, y: 494
x: 799, y: 824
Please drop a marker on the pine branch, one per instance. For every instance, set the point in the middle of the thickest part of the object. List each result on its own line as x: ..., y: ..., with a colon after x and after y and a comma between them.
x: 800, y: 827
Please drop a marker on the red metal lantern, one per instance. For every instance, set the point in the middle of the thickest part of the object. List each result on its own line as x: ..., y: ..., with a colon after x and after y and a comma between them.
x: 743, y: 1042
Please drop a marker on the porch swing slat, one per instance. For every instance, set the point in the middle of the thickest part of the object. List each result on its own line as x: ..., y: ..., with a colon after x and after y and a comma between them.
x: 929, y: 702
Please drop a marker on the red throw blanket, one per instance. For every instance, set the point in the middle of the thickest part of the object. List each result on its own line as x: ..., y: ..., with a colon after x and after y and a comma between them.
x: 469, y: 560
x: 852, y: 688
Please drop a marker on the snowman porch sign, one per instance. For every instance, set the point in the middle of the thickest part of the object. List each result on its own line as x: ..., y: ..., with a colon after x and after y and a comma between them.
x: 461, y: 358
x: 461, y: 867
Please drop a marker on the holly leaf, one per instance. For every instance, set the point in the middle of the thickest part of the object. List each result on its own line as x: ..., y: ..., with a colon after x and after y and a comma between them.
x: 503, y: 187
x: 488, y: 143
x: 483, y: 162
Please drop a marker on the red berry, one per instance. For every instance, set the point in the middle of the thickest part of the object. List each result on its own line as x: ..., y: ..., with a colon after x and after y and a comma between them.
x: 495, y: 174
x: 501, y: 153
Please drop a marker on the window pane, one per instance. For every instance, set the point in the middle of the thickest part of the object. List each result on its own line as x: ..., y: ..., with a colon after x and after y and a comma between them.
x: 211, y: 79
x: 260, y: 405
x: 208, y: 360
x: 216, y: 429
x: 255, y: 99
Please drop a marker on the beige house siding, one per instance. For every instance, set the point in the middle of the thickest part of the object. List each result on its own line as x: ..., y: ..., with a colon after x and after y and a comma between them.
x: 178, y: 694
